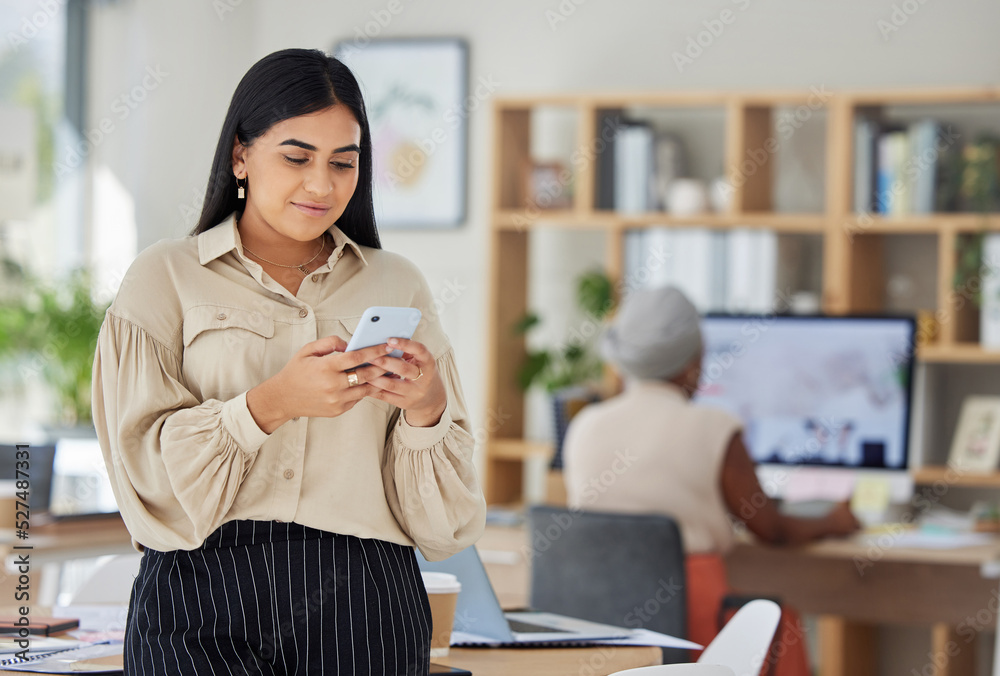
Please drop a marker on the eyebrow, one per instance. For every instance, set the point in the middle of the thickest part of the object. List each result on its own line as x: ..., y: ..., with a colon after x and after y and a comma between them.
x: 309, y: 146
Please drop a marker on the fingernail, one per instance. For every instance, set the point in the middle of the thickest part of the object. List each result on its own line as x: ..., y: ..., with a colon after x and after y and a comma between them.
x: 388, y: 348
x: 393, y: 341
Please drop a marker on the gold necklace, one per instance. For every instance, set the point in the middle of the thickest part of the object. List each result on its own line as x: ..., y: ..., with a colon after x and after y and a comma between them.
x: 301, y: 267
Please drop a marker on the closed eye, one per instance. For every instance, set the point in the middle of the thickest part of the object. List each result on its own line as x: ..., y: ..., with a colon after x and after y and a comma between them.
x: 298, y: 161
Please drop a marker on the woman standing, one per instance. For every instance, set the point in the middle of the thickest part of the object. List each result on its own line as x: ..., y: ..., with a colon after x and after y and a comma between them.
x: 275, y: 484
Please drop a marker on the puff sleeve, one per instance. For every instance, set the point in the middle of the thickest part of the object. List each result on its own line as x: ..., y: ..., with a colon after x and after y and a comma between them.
x: 175, y: 463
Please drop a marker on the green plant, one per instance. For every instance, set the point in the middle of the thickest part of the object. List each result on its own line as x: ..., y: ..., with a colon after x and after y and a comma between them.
x: 572, y: 363
x: 54, y: 329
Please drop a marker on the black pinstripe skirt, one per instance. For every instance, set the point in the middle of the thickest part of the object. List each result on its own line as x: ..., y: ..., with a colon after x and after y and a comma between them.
x: 262, y: 597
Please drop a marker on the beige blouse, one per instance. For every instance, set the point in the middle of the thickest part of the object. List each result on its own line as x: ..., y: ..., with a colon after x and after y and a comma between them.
x: 650, y: 450
x: 195, y: 325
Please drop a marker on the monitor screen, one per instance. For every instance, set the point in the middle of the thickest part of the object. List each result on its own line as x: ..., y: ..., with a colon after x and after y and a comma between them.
x: 824, y: 391
x: 80, y: 484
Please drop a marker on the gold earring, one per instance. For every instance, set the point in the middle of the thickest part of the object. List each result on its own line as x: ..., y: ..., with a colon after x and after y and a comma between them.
x: 240, y: 193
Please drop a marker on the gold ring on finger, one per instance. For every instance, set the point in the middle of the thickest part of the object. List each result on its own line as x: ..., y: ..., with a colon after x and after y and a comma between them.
x: 352, y: 379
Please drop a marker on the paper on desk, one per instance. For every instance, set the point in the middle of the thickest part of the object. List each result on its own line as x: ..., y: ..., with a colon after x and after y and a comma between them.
x: 110, y: 617
x: 939, y: 540
x: 806, y: 483
x: 75, y: 661
x: 36, y: 644
x: 639, y: 637
x: 647, y: 637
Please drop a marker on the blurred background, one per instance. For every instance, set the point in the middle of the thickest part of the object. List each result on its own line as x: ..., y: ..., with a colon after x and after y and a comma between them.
x: 110, y: 112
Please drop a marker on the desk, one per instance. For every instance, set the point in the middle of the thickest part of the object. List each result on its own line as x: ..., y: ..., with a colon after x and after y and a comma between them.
x: 854, y: 584
x: 67, y: 540
x: 551, y: 661
x: 534, y: 661
x: 57, y: 542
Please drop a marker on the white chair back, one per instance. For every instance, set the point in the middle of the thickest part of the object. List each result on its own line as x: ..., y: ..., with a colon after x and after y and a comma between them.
x: 743, y: 643
x: 111, y: 581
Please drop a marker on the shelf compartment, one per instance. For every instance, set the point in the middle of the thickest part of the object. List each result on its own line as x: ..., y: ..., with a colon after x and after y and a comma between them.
x: 916, y: 224
x: 925, y: 476
x: 517, y: 219
x: 958, y: 353
x: 520, y: 449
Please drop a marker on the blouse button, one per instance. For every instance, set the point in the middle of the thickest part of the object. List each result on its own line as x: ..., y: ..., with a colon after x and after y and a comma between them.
x: 295, y: 419
x: 315, y: 278
x: 289, y: 474
x: 303, y: 313
x: 220, y: 316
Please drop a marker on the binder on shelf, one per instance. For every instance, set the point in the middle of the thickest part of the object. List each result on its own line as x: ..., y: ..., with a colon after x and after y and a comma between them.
x: 989, y: 319
x: 923, y: 163
x: 608, y: 123
x: 633, y: 168
x: 865, y: 134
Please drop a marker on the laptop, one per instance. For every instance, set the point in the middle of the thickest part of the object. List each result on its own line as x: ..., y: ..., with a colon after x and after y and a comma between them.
x: 479, y: 619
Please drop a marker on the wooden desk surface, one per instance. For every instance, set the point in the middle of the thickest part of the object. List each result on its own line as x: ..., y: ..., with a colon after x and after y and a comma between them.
x: 551, y: 661
x: 869, y: 580
x: 70, y: 539
x: 535, y: 661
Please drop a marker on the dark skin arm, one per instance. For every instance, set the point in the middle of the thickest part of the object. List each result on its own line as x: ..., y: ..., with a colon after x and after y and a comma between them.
x: 747, y: 501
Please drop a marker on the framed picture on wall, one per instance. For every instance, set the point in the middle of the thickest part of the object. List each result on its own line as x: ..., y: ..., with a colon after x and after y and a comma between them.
x: 976, y: 444
x: 415, y: 92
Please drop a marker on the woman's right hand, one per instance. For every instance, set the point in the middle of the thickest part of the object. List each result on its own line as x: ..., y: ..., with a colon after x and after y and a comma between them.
x: 313, y: 384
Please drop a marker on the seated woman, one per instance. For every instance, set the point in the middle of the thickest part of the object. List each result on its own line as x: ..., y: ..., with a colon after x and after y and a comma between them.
x: 686, y: 461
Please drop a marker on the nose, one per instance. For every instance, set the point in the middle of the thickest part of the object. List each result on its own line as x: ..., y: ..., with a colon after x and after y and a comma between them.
x: 317, y: 180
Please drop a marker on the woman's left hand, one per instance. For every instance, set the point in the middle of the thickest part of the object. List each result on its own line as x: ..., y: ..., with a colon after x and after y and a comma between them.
x: 414, y: 384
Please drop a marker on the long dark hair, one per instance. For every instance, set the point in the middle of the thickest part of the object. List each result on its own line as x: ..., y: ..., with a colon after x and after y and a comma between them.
x: 286, y: 84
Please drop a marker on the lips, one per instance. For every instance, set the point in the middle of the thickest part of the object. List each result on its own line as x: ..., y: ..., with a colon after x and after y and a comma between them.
x: 311, y: 209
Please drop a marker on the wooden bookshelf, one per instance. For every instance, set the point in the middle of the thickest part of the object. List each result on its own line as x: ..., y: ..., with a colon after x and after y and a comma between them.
x: 853, y: 245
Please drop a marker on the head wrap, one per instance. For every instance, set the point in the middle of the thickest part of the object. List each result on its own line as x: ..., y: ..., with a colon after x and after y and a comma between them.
x: 654, y: 335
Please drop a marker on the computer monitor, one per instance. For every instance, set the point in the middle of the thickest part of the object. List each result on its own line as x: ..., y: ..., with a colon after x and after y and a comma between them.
x: 80, y: 484
x: 830, y: 393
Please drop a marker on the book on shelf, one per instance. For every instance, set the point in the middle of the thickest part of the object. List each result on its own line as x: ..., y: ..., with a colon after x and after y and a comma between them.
x: 719, y: 271
x: 902, y: 169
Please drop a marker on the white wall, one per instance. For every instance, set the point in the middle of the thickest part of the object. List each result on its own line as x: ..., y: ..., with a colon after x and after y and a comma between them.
x: 163, y: 150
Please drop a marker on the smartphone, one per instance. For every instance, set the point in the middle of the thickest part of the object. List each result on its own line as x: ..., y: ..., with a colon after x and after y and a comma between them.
x: 379, y: 324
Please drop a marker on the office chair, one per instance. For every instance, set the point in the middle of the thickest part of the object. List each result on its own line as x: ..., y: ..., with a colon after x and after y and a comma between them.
x: 743, y: 644
x: 620, y: 569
